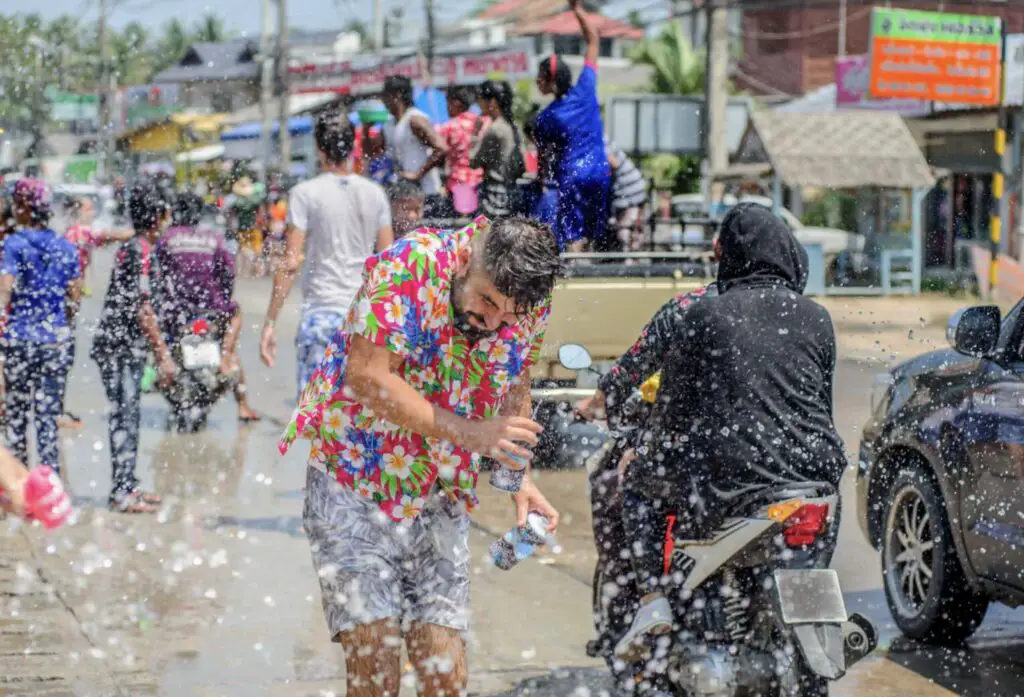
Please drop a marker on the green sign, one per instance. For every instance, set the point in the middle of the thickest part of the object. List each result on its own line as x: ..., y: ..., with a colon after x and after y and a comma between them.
x: 74, y: 107
x: 914, y: 25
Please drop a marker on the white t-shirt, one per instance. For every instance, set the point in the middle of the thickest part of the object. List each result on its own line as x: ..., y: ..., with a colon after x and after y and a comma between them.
x: 341, y: 216
x: 409, y: 151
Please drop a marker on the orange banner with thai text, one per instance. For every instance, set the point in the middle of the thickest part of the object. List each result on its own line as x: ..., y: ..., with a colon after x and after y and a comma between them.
x: 938, y: 71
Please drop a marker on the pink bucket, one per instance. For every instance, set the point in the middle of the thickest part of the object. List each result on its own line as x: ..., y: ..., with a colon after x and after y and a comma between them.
x: 464, y: 198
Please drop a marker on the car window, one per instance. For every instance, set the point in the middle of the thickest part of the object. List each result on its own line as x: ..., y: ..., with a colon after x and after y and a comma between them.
x: 1011, y: 336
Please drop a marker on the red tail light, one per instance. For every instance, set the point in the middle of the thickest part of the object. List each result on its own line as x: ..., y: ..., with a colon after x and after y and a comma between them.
x: 200, y: 327
x: 805, y: 525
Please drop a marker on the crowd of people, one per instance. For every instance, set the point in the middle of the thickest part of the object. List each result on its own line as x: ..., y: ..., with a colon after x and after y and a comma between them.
x: 415, y: 344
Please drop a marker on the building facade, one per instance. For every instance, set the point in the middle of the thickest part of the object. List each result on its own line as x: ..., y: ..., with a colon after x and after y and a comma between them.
x: 789, y: 51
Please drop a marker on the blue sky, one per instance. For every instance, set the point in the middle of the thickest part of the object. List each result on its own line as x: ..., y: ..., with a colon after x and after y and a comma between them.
x: 244, y: 15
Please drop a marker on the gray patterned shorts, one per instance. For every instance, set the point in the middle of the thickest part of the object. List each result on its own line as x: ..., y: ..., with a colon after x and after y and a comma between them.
x: 372, y: 568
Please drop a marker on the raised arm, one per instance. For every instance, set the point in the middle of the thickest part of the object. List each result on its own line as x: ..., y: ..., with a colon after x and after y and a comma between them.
x: 589, y: 34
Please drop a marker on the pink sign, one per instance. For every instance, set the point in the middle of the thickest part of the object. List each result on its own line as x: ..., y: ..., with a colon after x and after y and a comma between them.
x: 367, y: 76
x: 853, y: 75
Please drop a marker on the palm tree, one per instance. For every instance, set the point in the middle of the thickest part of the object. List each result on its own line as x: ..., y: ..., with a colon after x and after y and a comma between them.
x: 133, y: 59
x: 210, y: 29
x: 677, y: 68
x: 171, y: 46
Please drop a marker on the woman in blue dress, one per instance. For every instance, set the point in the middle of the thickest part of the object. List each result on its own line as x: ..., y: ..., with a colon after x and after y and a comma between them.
x: 570, y: 138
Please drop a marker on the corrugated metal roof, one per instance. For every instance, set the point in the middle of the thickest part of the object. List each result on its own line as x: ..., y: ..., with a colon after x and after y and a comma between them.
x: 565, y: 23
x: 841, y: 150
x: 227, y: 60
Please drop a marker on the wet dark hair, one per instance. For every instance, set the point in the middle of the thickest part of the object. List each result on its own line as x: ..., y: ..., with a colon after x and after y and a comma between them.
x: 72, y: 205
x: 463, y: 94
x: 188, y: 209
x: 400, y: 86
x: 335, y: 137
x: 146, y: 205
x: 520, y: 256
x: 501, y: 92
x: 557, y: 71
x: 403, y: 190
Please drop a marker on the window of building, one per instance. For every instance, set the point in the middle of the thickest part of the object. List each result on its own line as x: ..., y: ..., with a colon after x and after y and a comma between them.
x: 568, y: 45
x: 605, y: 48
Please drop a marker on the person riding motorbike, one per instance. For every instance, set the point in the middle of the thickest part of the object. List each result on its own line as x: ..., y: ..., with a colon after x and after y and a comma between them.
x: 196, y: 274
x: 745, y: 403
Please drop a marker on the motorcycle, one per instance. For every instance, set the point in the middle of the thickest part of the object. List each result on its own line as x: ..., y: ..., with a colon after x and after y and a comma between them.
x: 756, y: 610
x: 199, y: 384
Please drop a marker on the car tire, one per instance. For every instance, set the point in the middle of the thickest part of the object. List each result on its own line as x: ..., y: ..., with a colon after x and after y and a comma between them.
x: 917, y: 540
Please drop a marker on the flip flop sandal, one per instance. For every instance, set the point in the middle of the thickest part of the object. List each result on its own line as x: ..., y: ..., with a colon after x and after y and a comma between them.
x: 250, y: 419
x: 133, y: 504
x: 148, y: 497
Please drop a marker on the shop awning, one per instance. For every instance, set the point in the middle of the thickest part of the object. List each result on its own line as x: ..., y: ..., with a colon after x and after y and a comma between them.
x: 841, y: 150
x: 297, y: 126
x: 203, y: 154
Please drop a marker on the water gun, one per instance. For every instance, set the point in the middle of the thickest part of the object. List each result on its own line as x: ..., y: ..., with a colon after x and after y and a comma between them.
x: 45, y: 498
x: 649, y: 390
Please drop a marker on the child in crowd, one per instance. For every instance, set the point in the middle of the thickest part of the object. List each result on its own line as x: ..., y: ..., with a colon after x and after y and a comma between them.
x: 40, y: 279
x: 127, y: 331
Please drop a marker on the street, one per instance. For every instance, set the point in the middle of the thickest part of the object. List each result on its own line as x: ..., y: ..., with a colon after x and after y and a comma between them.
x: 215, y: 595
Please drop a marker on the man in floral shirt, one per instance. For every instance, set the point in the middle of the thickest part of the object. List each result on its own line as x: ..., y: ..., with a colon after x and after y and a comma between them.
x: 430, y: 370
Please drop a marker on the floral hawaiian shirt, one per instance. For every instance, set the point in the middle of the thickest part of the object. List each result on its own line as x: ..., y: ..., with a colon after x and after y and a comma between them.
x: 405, y: 306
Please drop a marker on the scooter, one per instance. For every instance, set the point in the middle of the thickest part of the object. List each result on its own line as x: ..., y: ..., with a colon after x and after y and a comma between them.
x: 756, y: 610
x: 199, y: 384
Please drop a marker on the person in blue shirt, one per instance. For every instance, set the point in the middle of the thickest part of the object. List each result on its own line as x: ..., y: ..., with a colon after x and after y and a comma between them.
x: 40, y: 282
x: 570, y: 138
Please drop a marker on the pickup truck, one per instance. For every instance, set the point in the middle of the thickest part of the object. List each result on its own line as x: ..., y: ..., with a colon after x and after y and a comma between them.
x: 602, y: 306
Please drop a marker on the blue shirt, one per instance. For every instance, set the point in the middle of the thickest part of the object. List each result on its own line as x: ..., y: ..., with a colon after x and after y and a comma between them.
x: 572, y: 127
x: 43, y: 265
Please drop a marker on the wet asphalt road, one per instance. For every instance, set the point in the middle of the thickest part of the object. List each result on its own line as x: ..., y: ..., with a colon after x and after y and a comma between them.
x: 216, y: 595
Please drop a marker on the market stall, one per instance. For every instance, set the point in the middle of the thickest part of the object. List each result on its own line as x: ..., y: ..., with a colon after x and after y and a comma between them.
x: 869, y: 155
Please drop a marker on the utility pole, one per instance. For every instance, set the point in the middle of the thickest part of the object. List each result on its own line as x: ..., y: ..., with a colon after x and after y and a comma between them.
x: 842, y: 29
x: 266, y: 91
x: 105, y: 166
x: 378, y: 26
x: 429, y: 5
x: 716, y: 100
x: 284, y: 97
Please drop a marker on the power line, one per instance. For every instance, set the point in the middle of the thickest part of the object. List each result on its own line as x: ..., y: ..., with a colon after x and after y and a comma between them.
x: 802, y: 33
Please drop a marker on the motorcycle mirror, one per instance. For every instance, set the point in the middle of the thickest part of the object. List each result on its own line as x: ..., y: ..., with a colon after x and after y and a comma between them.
x: 574, y: 357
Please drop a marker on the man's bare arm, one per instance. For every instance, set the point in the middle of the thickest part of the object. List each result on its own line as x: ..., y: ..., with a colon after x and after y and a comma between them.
x: 371, y: 374
x: 287, y: 270
x: 423, y: 131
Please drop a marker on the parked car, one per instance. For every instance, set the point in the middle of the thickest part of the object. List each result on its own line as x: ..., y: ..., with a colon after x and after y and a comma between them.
x: 833, y: 241
x: 940, y: 480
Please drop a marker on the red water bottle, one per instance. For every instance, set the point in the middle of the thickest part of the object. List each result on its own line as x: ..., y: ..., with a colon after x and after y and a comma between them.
x: 45, y: 498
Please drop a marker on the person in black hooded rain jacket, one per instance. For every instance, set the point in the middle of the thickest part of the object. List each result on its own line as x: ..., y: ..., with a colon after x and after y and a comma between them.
x: 745, y: 403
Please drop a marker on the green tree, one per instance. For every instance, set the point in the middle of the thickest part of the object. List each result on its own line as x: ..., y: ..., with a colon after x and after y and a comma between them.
x: 210, y: 29
x: 676, y: 67
x: 132, y: 55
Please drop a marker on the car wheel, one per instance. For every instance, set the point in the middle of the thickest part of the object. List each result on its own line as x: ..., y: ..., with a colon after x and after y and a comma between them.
x: 925, y: 585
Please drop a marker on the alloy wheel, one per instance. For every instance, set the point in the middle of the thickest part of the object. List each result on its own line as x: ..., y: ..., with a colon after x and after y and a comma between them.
x: 909, y: 559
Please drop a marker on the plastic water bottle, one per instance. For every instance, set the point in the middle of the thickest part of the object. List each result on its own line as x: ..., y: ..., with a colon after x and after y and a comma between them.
x: 507, y: 479
x: 45, y: 498
x: 520, y: 542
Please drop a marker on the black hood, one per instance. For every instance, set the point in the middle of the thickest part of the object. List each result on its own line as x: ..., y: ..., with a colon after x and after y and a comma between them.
x: 758, y: 248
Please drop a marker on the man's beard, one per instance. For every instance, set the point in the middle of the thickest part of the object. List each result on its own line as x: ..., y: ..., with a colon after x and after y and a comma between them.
x: 472, y: 332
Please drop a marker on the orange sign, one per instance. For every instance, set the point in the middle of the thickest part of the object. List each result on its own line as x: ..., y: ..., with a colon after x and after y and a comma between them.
x: 936, y: 56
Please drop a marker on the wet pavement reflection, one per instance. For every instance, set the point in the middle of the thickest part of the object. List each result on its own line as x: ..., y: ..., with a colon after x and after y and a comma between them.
x: 216, y: 595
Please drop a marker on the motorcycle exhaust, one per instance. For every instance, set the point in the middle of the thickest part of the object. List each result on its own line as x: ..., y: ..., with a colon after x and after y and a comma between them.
x: 860, y: 638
